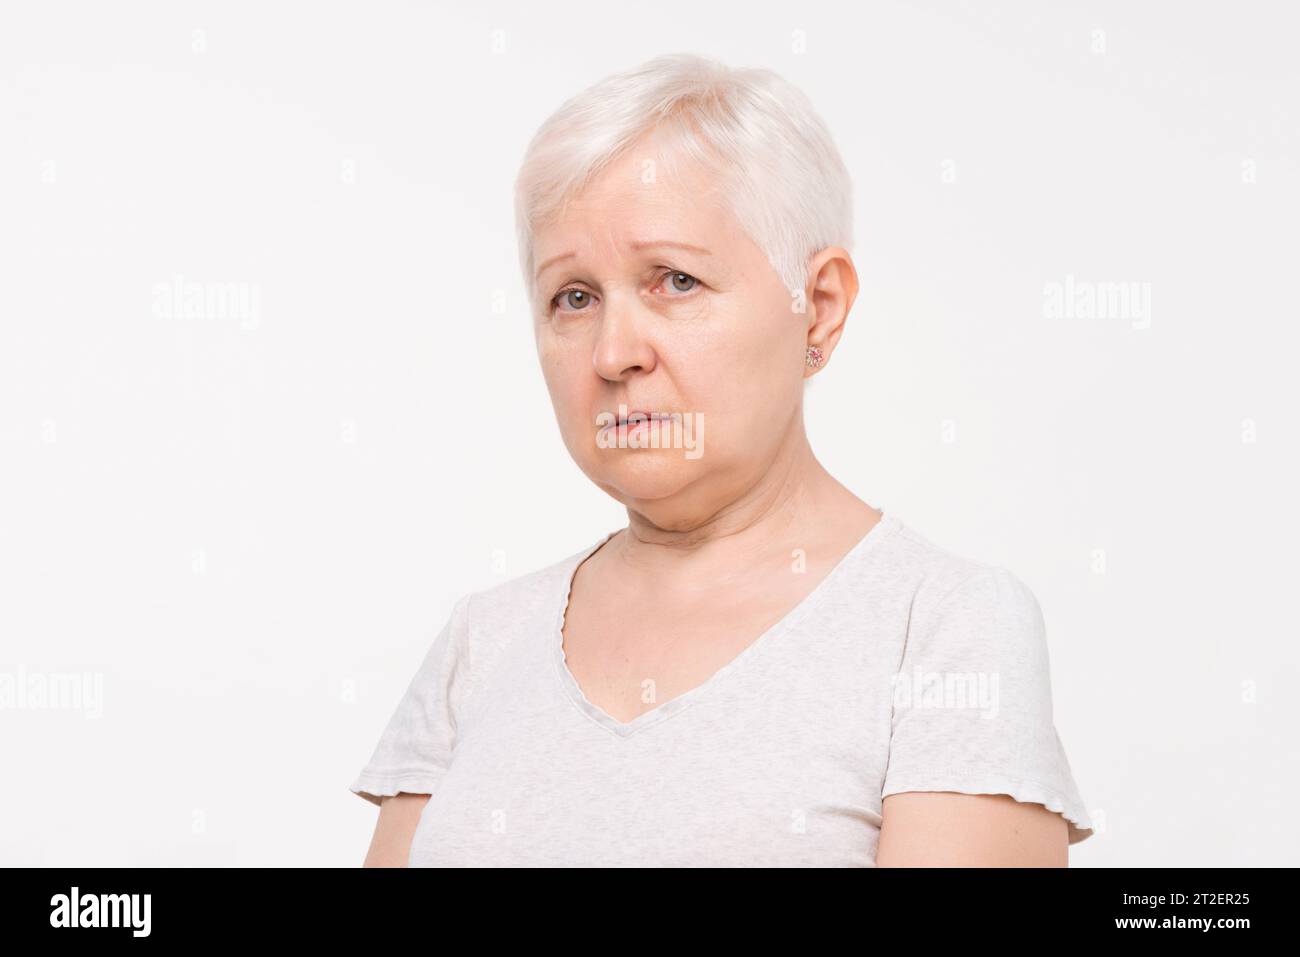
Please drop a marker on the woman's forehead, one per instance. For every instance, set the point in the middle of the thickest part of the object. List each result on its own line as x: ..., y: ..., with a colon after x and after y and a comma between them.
x: 635, y: 218
x: 609, y: 245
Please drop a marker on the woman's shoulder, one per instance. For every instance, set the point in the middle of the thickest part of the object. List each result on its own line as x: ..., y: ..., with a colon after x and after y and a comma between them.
x: 945, y: 580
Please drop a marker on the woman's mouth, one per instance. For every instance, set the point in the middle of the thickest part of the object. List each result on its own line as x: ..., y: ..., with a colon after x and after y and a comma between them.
x: 640, y: 421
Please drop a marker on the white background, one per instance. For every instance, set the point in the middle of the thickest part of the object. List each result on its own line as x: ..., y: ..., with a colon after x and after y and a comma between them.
x: 250, y: 530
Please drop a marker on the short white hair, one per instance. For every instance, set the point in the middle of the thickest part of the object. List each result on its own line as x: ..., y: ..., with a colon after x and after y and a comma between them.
x: 783, y: 178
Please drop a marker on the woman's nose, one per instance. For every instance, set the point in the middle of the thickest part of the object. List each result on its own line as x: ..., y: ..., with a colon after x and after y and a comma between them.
x: 622, y: 346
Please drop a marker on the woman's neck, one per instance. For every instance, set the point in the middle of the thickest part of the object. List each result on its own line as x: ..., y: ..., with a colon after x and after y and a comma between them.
x: 795, y: 504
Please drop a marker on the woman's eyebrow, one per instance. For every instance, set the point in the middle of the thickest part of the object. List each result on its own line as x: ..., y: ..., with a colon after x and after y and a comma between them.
x: 668, y: 243
x: 638, y: 246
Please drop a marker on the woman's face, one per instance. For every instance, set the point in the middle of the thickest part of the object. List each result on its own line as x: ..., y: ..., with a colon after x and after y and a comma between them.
x: 666, y: 306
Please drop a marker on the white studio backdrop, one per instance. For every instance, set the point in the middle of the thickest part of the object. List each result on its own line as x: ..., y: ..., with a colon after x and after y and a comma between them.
x: 242, y: 523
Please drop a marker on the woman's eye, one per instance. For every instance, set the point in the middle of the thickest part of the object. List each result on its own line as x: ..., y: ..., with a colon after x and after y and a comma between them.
x: 578, y: 300
x: 681, y: 281
x: 575, y: 299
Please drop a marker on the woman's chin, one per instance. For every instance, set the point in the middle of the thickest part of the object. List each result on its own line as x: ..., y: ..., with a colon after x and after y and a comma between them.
x: 641, y: 477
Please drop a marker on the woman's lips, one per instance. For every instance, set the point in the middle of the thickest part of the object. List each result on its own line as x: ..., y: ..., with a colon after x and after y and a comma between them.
x: 641, y: 421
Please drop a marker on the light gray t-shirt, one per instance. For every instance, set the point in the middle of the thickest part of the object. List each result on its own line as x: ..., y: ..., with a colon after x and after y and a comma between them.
x: 908, y: 668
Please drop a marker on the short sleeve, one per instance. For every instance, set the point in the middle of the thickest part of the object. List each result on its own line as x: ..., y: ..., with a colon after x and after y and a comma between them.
x: 972, y: 708
x: 415, y: 747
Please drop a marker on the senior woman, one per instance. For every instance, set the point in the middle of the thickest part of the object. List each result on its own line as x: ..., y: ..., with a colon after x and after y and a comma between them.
x: 761, y: 669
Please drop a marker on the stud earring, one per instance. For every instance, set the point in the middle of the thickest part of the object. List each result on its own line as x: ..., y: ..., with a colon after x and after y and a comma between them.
x: 814, y: 357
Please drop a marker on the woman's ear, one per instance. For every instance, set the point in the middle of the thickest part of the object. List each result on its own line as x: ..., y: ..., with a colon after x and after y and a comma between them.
x: 832, y: 285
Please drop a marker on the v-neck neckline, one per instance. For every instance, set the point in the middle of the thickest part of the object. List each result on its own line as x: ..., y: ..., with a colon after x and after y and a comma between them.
x: 884, y: 525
